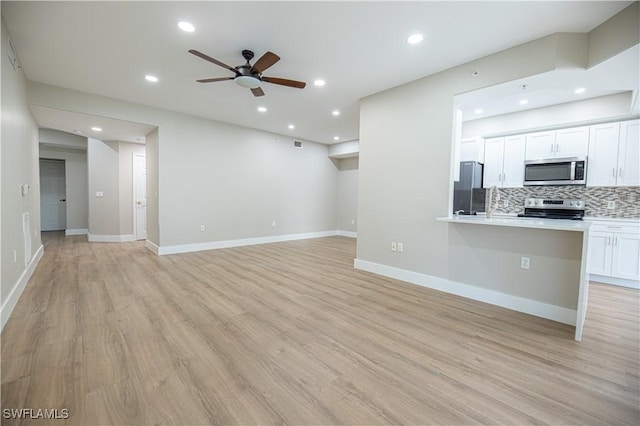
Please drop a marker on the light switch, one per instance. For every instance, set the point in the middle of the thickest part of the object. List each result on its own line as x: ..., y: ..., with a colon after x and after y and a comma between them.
x: 99, y: 194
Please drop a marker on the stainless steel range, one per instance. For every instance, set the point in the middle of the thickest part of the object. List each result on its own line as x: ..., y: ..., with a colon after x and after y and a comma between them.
x: 553, y: 208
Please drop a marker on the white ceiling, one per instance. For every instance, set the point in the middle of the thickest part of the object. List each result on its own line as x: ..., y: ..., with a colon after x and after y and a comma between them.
x: 359, y: 48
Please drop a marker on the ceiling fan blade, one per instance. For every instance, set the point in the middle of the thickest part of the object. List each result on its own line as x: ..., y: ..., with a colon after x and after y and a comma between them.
x: 285, y: 82
x: 265, y: 62
x: 211, y: 80
x: 257, y: 91
x: 210, y: 59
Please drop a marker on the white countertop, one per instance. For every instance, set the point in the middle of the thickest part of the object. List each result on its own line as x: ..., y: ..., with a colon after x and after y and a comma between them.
x: 521, y: 222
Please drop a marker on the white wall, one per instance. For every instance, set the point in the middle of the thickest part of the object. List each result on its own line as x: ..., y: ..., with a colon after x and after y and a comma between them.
x: 76, y: 179
x: 104, y: 212
x: 151, y: 156
x: 235, y: 181
x: 19, y: 161
x: 405, y: 176
x: 567, y: 114
x: 348, y: 194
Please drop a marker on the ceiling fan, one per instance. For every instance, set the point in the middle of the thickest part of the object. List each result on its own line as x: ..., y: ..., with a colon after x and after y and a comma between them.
x: 250, y: 76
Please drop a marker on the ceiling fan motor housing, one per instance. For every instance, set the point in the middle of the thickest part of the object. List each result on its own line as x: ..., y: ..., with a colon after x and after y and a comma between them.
x: 245, y: 77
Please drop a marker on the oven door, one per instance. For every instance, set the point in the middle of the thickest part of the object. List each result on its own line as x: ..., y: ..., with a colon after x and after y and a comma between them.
x: 551, y: 172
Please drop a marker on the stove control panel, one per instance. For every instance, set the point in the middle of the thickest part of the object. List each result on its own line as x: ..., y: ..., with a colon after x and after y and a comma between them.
x: 548, y: 203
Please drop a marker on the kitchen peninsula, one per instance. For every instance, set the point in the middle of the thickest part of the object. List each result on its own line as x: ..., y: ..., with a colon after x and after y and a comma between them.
x: 550, y: 279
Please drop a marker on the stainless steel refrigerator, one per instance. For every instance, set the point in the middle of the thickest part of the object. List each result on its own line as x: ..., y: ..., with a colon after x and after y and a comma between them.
x: 468, y: 193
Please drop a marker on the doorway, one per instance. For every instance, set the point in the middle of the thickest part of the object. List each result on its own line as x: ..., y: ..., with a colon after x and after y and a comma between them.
x: 53, y: 195
x: 140, y: 196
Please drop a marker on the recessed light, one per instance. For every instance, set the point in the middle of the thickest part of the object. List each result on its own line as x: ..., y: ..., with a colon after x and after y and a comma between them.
x: 96, y: 129
x: 579, y: 90
x: 187, y: 27
x: 336, y: 138
x: 151, y: 78
x: 414, y: 38
x: 319, y: 83
x: 262, y: 109
x: 291, y: 126
x: 523, y: 101
x: 336, y: 112
x: 478, y: 111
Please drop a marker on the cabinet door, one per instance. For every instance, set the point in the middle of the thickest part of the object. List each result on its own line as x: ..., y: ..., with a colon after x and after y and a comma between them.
x: 493, y: 162
x: 540, y: 145
x: 513, y: 168
x: 602, y: 164
x: 472, y: 149
x: 629, y: 154
x: 626, y: 256
x: 573, y: 142
x: 599, y: 261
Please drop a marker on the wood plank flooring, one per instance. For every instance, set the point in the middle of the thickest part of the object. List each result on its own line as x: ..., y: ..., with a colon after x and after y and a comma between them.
x: 290, y: 333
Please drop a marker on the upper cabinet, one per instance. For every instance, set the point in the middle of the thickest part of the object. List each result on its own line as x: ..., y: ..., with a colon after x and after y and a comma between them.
x: 614, y: 154
x: 573, y: 142
x: 472, y: 149
x: 504, y: 162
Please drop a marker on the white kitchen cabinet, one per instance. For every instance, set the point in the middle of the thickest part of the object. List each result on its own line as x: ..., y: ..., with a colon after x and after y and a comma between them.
x: 614, y: 154
x: 540, y: 145
x: 629, y: 154
x: 472, y: 149
x: 504, y: 162
x: 571, y: 142
x: 614, y: 254
x: 602, y: 162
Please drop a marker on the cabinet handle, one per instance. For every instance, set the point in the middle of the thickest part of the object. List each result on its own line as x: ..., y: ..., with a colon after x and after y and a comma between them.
x: 620, y: 172
x: 608, y: 240
x: 504, y: 177
x: 557, y: 147
x: 551, y: 149
x: 615, y: 241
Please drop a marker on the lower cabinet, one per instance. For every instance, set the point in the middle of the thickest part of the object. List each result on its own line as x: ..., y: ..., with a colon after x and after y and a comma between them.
x: 614, y: 254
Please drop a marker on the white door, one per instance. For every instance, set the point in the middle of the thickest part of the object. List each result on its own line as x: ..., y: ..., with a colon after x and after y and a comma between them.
x: 626, y: 256
x: 540, y: 145
x: 140, y: 195
x: 629, y: 154
x: 572, y: 142
x: 53, y: 206
x: 602, y: 164
x: 493, y: 156
x: 513, y: 169
x: 599, y: 261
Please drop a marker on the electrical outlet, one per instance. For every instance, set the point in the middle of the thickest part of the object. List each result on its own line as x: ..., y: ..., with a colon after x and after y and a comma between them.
x: 273, y: 224
x: 353, y: 221
x: 611, y: 205
x: 394, y: 246
x: 525, y: 262
x: 99, y: 194
x: 400, y: 247
x: 201, y: 228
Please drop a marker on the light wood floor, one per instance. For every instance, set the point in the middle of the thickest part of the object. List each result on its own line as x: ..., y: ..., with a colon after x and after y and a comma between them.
x: 290, y: 333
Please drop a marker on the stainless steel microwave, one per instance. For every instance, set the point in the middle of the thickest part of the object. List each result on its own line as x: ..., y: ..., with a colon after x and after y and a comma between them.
x: 556, y: 171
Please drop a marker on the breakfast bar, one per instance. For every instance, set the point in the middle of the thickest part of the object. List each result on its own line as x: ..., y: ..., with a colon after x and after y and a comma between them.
x: 558, y: 289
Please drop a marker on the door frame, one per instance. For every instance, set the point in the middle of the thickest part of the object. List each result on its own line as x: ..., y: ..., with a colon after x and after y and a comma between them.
x: 134, y: 189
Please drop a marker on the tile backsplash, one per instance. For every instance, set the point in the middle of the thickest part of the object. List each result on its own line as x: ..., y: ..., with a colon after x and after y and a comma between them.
x: 627, y: 199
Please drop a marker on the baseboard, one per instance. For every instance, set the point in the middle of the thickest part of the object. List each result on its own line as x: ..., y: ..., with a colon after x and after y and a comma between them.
x: 515, y: 303
x: 213, y: 245
x: 615, y: 281
x: 12, y: 299
x: 347, y: 234
x: 111, y: 238
x: 151, y: 246
x: 80, y: 231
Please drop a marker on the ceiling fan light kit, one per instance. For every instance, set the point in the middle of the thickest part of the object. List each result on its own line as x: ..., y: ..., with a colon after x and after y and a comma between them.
x: 250, y: 76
